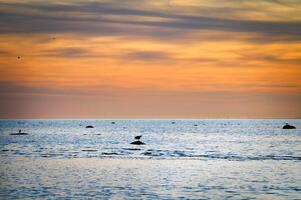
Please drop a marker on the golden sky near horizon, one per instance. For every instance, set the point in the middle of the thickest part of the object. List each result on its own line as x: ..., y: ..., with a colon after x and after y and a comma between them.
x: 150, y: 59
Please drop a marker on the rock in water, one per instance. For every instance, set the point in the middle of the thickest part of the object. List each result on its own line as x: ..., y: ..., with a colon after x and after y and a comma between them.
x: 19, y: 133
x: 89, y: 126
x: 138, y: 142
x: 287, y: 126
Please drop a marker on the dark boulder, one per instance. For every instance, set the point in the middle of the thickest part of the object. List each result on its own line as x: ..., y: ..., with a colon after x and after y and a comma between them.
x: 287, y: 126
x: 138, y: 142
x: 89, y: 126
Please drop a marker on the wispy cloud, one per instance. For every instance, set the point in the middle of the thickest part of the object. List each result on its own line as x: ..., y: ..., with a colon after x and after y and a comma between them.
x: 114, y: 19
x: 147, y: 56
x: 66, y: 52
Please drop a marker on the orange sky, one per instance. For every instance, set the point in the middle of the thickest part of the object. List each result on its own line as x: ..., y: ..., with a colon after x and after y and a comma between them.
x: 150, y: 59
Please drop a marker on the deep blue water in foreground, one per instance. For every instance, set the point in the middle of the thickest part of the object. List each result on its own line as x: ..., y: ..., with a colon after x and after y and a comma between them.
x: 188, y: 159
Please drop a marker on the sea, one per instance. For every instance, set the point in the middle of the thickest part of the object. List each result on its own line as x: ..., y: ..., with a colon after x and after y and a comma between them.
x: 181, y: 159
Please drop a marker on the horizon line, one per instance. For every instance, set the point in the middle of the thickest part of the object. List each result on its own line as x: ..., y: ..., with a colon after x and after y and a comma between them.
x: 243, y: 118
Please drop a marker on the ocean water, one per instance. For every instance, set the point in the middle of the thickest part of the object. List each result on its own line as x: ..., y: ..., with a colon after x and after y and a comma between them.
x: 182, y: 159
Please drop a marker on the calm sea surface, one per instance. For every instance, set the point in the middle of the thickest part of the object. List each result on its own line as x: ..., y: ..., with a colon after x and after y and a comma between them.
x: 188, y: 159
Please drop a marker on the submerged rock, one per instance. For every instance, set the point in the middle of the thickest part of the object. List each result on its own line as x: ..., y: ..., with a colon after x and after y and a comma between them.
x: 19, y: 133
x: 89, y: 126
x: 287, y: 126
x: 138, y: 142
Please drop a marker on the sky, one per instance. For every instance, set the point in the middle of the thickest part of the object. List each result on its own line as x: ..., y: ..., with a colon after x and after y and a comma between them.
x: 150, y: 59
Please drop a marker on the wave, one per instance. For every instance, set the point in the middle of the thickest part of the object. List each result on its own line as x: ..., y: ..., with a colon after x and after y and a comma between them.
x: 149, y: 153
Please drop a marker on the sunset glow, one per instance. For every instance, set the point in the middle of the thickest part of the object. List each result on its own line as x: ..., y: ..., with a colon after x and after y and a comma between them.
x: 150, y: 59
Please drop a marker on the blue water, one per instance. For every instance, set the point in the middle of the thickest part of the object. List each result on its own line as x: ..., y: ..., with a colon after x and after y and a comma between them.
x: 189, y: 159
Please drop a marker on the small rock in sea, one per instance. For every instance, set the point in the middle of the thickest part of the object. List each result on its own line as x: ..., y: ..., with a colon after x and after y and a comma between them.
x: 89, y: 126
x: 287, y: 126
x: 112, y: 122
x: 173, y: 122
x: 19, y: 133
x: 195, y: 125
x: 138, y: 142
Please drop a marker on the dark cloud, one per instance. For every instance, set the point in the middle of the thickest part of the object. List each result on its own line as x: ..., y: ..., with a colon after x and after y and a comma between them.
x: 112, y: 19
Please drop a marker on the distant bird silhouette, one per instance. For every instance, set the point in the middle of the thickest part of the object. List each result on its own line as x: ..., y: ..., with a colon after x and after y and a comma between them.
x: 138, y: 137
